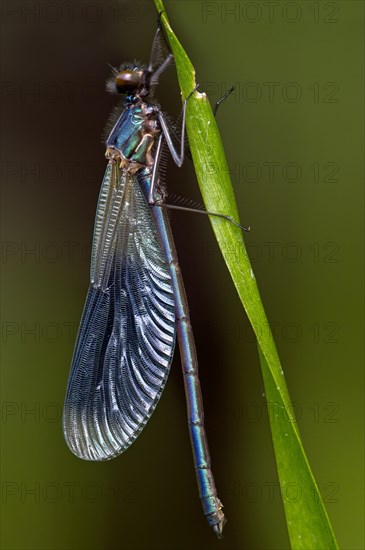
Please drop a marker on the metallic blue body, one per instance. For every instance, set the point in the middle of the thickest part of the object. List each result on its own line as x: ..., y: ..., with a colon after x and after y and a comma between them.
x: 140, y: 312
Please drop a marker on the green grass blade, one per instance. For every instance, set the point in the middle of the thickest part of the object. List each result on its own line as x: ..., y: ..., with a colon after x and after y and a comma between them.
x: 307, y: 520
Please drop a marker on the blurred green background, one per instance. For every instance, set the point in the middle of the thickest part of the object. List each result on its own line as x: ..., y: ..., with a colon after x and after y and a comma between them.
x: 293, y: 133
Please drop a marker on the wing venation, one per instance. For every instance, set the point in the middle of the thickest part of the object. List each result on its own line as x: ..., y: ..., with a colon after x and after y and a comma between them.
x: 126, y: 338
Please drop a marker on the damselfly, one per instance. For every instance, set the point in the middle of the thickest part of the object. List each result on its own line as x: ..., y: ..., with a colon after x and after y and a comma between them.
x: 136, y: 303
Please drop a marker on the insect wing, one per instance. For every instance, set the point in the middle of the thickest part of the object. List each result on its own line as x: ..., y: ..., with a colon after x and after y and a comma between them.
x: 126, y: 337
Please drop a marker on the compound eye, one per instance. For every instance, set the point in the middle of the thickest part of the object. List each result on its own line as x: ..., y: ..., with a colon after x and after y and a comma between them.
x: 127, y: 80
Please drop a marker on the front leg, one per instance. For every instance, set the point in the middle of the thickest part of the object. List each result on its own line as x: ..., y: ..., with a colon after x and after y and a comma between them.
x: 178, y: 157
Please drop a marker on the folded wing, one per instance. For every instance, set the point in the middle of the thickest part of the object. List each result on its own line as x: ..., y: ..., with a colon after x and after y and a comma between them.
x: 126, y: 338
